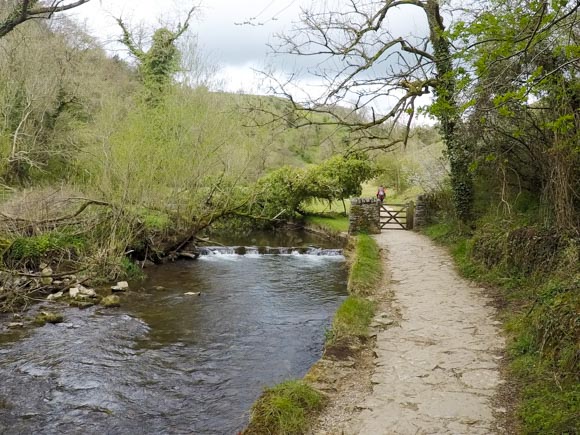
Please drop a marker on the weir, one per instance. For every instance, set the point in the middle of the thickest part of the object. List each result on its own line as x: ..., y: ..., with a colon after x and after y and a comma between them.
x: 268, y: 250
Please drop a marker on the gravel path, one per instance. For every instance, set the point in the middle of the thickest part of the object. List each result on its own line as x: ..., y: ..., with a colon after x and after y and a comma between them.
x: 437, y: 368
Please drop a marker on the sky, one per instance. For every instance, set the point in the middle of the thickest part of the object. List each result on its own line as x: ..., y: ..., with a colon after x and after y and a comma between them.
x: 232, y: 34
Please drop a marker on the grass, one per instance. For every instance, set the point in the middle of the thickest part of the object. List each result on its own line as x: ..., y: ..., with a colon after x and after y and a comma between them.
x: 130, y: 270
x: 352, y: 319
x: 354, y: 316
x: 366, y: 270
x: 285, y: 409
x: 334, y: 222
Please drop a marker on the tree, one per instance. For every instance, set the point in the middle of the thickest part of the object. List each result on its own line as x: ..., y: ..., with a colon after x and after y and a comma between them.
x: 364, y: 62
x: 52, y: 83
x: 158, y: 64
x: 525, y: 116
x: 26, y: 10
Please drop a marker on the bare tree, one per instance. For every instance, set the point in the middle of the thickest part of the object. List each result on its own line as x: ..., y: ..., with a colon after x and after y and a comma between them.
x: 25, y: 10
x: 363, y: 62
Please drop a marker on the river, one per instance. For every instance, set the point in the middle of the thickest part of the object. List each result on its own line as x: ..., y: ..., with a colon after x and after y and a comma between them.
x: 167, y: 362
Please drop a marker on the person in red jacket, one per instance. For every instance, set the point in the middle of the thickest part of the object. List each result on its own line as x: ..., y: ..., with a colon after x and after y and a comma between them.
x: 381, y: 194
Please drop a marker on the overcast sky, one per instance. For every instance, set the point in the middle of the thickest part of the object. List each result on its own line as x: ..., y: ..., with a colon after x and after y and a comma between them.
x: 232, y: 34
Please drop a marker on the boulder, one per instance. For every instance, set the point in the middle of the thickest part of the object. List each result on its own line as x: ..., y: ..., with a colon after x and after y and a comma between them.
x: 55, y: 296
x: 89, y: 292
x: 111, y: 301
x: 122, y: 286
x: 192, y: 293
x: 74, y: 292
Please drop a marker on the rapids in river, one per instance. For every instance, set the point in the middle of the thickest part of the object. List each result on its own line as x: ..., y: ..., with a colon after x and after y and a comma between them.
x: 167, y: 362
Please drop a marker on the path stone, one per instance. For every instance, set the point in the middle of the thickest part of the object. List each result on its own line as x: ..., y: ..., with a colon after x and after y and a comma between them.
x: 437, y: 368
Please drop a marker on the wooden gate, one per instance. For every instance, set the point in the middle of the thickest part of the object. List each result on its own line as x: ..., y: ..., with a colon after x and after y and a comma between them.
x: 396, y: 216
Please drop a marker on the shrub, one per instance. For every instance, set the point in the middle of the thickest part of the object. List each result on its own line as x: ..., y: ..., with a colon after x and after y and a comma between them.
x: 29, y: 251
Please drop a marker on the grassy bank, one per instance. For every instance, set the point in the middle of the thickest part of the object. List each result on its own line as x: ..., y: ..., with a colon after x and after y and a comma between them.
x: 334, y: 223
x: 284, y: 409
x: 536, y: 271
x: 288, y: 408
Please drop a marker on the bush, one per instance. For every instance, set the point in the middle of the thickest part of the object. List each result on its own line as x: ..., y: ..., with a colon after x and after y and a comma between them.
x: 531, y: 250
x: 29, y: 251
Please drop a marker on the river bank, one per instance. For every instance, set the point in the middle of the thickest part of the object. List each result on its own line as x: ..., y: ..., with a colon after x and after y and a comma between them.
x: 190, y: 348
x: 346, y: 361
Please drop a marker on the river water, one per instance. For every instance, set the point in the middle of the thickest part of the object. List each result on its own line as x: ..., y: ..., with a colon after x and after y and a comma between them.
x: 167, y: 362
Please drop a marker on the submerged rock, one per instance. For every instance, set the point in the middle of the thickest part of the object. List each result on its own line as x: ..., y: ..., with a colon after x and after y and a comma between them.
x: 111, y: 301
x: 82, y: 303
x: 46, y: 317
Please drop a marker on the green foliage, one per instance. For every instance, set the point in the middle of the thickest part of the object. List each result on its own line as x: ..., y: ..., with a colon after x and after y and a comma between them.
x: 130, y: 270
x: 527, y: 121
x: 154, y: 220
x: 51, y: 245
x: 285, y: 190
x: 548, y: 409
x: 284, y: 409
x: 282, y: 191
x: 339, y: 177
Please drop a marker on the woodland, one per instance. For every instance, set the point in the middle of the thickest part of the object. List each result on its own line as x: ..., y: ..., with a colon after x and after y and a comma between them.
x: 107, y: 162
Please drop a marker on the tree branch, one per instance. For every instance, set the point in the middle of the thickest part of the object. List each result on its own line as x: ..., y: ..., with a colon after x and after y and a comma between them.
x: 25, y: 11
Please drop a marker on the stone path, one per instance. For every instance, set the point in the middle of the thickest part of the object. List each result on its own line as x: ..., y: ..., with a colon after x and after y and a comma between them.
x: 437, y: 368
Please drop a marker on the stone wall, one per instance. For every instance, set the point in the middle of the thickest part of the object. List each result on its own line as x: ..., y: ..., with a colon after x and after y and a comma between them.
x: 364, y: 216
x: 421, y: 215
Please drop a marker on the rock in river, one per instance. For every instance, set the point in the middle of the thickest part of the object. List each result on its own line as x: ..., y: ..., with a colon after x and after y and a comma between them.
x: 122, y: 286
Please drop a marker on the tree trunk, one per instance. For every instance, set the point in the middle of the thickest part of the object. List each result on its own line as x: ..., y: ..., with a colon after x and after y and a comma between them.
x: 447, y: 112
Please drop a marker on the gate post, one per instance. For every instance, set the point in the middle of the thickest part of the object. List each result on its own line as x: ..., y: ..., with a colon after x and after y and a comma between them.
x: 420, y: 218
x: 364, y: 216
x: 410, y: 215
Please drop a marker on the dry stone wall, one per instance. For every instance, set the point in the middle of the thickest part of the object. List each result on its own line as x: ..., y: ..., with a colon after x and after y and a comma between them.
x: 364, y: 216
